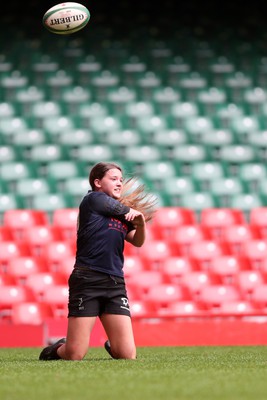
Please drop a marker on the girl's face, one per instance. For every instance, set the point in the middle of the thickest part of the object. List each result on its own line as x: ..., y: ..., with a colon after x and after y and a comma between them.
x: 111, y: 183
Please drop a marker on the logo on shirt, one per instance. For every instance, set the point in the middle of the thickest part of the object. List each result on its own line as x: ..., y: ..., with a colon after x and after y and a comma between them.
x: 117, y: 225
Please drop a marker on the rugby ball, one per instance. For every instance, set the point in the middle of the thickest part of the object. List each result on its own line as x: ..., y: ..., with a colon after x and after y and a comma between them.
x: 66, y: 18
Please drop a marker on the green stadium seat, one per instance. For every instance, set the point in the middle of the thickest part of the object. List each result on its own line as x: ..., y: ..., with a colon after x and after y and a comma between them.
x: 45, y: 153
x: 220, y: 70
x: 176, y: 186
x: 49, y: 202
x: 223, y: 190
x: 136, y: 110
x: 28, y: 187
x: 205, y: 172
x: 168, y: 139
x: 215, y: 139
x: 236, y: 86
x: 8, y: 154
x: 147, y: 86
x: 243, y: 126
x: 44, y: 109
x: 196, y: 126
x: 24, y: 141
x: 73, y: 97
x: 183, y: 111
x: 251, y: 174
x: 10, y: 125
x: 132, y: 70
x: 101, y: 126
x: 26, y: 98
x: 122, y: 139
x: 117, y: 100
x: 58, y: 83
x: 76, y: 188
x: 258, y: 141
x: 9, y: 201
x: 7, y: 110
x: 233, y: 156
x: 176, y: 70
x: 191, y: 86
x: 210, y: 100
x: 12, y: 84
x: 163, y: 100
x: 198, y: 201
x: 246, y: 202
x: 254, y: 100
x: 224, y: 116
x: 43, y: 69
x: 139, y: 155
x: 147, y: 126
x: 94, y: 153
x: 86, y: 112
x: 70, y: 140
x: 187, y: 155
x: 87, y: 69
x: 59, y: 171
x: 55, y: 125
x: 157, y: 172
x: 13, y: 172
x: 103, y: 84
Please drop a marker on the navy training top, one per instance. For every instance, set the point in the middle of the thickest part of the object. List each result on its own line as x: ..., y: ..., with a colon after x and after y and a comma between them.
x: 101, y: 233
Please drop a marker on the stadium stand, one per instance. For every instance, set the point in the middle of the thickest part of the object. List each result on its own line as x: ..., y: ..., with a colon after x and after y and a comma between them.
x: 184, y: 112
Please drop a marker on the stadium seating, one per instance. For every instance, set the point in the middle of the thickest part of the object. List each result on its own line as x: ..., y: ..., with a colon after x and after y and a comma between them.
x: 188, y: 121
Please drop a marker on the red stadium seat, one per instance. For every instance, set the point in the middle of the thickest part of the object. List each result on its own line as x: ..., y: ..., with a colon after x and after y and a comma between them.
x: 10, y: 295
x: 65, y: 221
x: 212, y: 297
x: 158, y: 297
x: 153, y: 253
x: 64, y: 267
x: 258, y: 220
x: 215, y: 219
x: 7, y: 280
x: 8, y: 251
x: 237, y: 308
x: 39, y: 283
x: 183, y: 309
x: 57, y: 297
x: 167, y: 219
x: 259, y: 298
x: 174, y: 268
x: 21, y: 267
x: 6, y: 234
x: 132, y: 265
x: 183, y: 237
x: 255, y: 252
x: 247, y: 281
x: 203, y: 252
x: 140, y: 309
x: 235, y: 235
x: 55, y: 251
x: 20, y: 219
x: 193, y: 282
x: 225, y: 269
x: 37, y: 237
x: 139, y: 284
x: 30, y: 313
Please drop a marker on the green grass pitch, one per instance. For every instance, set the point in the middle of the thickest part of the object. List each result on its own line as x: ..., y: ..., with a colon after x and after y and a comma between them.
x: 180, y: 373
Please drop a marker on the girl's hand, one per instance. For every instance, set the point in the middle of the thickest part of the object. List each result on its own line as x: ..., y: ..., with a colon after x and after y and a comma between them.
x: 136, y: 217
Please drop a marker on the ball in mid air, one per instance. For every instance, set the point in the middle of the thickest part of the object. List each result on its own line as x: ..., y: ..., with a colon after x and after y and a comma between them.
x: 66, y: 18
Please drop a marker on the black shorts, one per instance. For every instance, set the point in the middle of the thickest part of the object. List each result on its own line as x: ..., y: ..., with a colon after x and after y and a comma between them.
x: 92, y: 293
